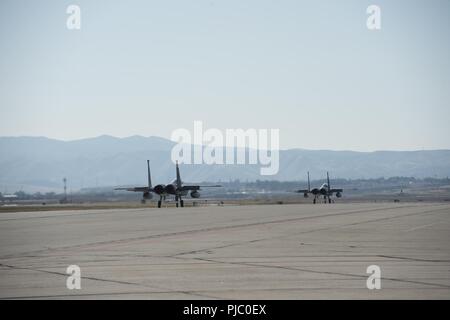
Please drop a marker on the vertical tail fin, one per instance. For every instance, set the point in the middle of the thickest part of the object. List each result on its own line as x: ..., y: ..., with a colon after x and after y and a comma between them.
x: 328, y: 182
x: 178, y: 176
x: 149, y: 176
x: 309, y: 184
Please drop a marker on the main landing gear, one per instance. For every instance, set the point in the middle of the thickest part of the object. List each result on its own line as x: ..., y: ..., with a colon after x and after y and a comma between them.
x: 324, y: 199
x: 160, y: 201
x: 179, y: 202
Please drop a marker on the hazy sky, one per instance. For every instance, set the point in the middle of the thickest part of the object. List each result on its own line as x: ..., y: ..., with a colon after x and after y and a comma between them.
x: 310, y: 68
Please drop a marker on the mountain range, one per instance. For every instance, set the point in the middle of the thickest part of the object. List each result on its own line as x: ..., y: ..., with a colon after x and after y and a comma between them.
x: 40, y: 164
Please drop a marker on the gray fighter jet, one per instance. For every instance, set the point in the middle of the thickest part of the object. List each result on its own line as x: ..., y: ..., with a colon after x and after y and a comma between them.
x: 324, y: 190
x: 176, y: 188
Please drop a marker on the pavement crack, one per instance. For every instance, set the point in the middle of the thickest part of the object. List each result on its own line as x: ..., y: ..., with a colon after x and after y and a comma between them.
x: 322, y: 272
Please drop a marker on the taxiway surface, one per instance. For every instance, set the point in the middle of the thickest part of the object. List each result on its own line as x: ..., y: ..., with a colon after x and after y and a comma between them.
x: 231, y: 252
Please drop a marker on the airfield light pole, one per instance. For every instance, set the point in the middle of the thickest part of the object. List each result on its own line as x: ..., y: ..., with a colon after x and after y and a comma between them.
x: 65, y: 189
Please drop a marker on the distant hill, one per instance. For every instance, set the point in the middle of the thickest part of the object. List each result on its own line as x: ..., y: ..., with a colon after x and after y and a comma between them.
x: 39, y: 164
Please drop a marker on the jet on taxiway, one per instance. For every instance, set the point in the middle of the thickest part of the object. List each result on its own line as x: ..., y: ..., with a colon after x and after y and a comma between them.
x: 176, y: 188
x: 324, y: 190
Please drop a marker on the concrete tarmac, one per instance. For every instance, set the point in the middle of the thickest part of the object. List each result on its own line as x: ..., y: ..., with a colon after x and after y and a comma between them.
x: 232, y: 252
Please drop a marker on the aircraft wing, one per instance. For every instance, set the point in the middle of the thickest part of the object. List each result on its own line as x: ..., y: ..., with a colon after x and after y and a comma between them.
x: 195, y: 188
x: 336, y: 190
x: 303, y: 191
x: 136, y: 189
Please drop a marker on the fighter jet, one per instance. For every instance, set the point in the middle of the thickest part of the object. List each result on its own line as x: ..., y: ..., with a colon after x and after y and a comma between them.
x: 324, y: 190
x: 176, y: 188
x: 146, y: 191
